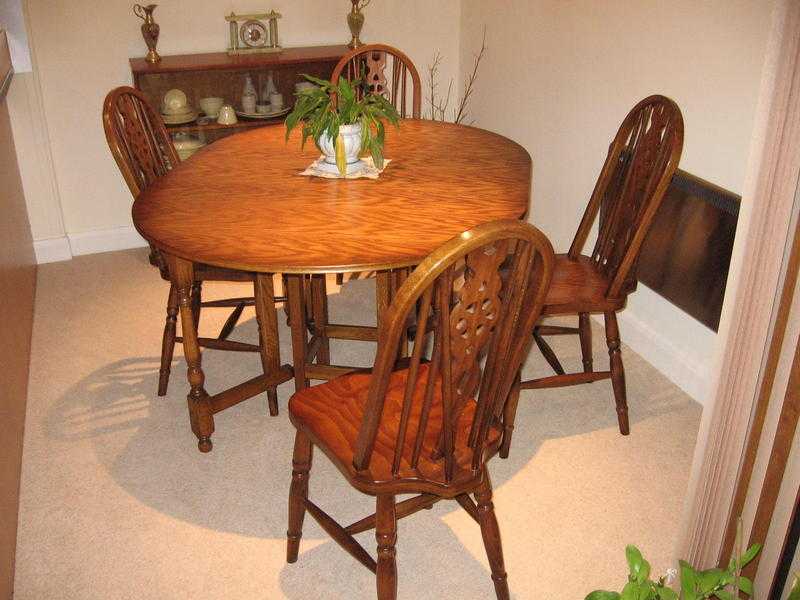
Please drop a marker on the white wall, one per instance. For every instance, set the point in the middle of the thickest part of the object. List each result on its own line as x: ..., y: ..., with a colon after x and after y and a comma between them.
x: 31, y: 138
x: 81, y: 50
x: 559, y: 78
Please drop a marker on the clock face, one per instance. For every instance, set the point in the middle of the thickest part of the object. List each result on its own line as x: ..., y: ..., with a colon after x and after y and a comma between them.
x: 253, y: 34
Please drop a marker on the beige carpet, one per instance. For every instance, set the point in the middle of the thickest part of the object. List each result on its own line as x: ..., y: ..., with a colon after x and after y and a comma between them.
x: 118, y: 503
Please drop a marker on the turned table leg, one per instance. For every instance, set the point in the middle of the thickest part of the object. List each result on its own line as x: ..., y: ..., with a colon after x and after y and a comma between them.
x: 200, y: 414
x: 297, y: 321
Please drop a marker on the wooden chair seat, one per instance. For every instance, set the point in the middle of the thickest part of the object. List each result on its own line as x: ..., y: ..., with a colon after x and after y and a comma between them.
x: 331, y: 415
x: 578, y: 286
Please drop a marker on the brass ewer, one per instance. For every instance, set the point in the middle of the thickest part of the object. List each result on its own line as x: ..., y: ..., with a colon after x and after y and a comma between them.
x: 355, y: 20
x: 150, y: 30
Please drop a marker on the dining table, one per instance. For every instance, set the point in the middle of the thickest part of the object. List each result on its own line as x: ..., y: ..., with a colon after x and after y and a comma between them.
x: 241, y: 203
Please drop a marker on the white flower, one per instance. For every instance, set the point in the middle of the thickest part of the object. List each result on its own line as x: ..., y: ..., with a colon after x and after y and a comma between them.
x: 670, y: 576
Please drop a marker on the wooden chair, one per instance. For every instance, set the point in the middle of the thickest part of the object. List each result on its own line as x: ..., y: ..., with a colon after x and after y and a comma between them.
x: 371, y: 62
x: 143, y: 150
x: 641, y: 161
x: 429, y: 426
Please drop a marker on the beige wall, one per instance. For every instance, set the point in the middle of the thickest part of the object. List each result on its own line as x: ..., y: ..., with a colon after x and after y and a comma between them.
x: 81, y: 51
x: 560, y: 76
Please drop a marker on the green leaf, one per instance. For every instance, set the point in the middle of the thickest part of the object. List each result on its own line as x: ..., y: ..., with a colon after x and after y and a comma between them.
x: 710, y: 579
x: 324, y: 84
x: 746, y: 585
x: 688, y: 581
x: 749, y: 555
x: 601, y: 595
x: 630, y: 591
x: 635, y: 561
x: 723, y: 595
x: 644, y: 572
x: 665, y: 593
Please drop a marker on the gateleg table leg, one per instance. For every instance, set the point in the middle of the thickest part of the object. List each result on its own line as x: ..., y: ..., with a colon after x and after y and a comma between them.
x: 383, y: 294
x: 297, y: 321
x: 319, y: 299
x: 268, y: 329
x: 201, y: 415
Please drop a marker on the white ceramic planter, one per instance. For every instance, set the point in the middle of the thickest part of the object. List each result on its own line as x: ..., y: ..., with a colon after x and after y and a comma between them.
x: 352, y: 144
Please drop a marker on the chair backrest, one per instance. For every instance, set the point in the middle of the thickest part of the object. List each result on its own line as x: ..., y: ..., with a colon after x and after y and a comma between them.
x: 479, y: 295
x: 371, y: 62
x: 137, y: 138
x: 641, y: 162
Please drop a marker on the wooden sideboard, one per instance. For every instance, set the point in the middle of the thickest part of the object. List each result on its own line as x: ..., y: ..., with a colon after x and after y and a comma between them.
x: 218, y: 74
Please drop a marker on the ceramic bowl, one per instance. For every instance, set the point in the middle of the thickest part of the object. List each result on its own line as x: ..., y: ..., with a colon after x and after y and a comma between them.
x: 186, y: 144
x: 174, y: 102
x: 211, y: 106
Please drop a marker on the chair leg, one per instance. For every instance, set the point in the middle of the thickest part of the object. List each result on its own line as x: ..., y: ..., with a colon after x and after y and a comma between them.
x: 491, y: 538
x: 197, y: 293
x: 585, y: 327
x: 168, y: 341
x: 509, y: 416
x: 298, y: 494
x: 386, y: 535
x: 547, y: 352
x: 617, y: 371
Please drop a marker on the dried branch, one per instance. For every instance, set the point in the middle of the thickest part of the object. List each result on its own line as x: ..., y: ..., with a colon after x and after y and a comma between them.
x: 439, y: 104
x: 462, y: 112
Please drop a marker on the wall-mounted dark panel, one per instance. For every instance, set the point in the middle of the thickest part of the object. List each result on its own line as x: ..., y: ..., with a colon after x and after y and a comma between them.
x: 687, y: 253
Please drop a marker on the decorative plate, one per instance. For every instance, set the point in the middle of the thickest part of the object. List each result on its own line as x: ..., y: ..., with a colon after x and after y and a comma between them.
x: 269, y: 115
x: 181, y: 118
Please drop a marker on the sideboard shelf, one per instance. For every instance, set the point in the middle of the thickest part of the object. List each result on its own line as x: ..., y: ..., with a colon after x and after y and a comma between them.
x: 218, y: 74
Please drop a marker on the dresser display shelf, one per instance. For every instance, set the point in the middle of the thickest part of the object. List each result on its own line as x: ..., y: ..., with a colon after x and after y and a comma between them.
x: 218, y: 74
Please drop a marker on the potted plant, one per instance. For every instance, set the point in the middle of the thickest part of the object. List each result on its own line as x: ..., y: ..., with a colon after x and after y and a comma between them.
x: 720, y: 584
x: 342, y: 122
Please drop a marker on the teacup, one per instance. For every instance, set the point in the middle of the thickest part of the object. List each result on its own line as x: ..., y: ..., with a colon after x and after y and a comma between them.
x: 227, y: 116
x: 276, y: 101
x: 211, y: 106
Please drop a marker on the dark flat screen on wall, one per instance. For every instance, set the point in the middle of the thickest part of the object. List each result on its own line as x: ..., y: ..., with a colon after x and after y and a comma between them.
x: 687, y: 253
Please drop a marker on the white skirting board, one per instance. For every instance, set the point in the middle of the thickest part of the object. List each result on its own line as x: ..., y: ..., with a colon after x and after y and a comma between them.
x: 87, y: 242
x: 676, y: 344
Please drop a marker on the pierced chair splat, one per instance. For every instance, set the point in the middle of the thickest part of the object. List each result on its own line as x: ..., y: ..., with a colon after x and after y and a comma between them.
x: 386, y: 71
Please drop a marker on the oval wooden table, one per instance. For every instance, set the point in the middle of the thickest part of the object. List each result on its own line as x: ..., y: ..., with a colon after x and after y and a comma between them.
x: 240, y: 203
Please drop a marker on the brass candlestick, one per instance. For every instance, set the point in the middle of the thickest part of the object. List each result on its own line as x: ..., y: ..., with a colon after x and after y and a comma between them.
x: 355, y: 20
x: 150, y: 30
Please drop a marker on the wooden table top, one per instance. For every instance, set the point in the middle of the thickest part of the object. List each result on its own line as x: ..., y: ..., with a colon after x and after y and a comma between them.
x: 240, y: 203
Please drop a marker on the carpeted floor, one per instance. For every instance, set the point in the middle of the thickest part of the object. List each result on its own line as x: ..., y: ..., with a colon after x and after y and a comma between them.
x: 118, y: 503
